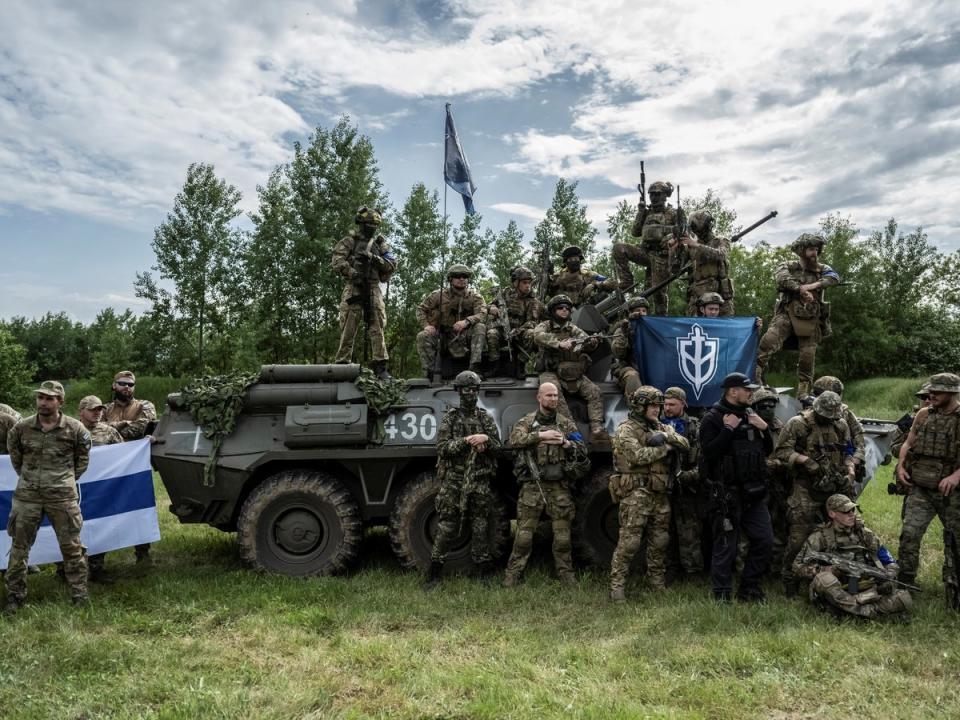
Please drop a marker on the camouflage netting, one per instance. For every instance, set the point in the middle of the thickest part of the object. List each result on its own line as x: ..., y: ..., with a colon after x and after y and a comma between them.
x: 215, y: 403
x: 381, y: 396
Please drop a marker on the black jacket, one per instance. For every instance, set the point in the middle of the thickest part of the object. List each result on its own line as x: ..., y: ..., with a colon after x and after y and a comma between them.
x: 733, y: 457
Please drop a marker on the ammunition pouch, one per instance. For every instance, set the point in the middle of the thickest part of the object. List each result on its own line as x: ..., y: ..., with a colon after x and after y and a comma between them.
x: 458, y: 345
x: 830, y: 481
x: 552, y: 472
x: 804, y: 317
x: 621, y: 485
x: 926, y: 472
x: 657, y: 482
x: 570, y: 371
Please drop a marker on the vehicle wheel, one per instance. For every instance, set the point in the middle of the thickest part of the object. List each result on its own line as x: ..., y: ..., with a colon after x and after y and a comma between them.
x: 597, y: 524
x: 413, y: 525
x: 300, y: 522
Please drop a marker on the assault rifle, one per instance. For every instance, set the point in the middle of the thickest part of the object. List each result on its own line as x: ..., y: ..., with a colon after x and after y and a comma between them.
x: 534, y: 473
x: 503, y: 322
x: 611, y: 306
x: 854, y: 570
x: 642, y: 187
x: 680, y: 227
x: 772, y: 214
x: 546, y: 270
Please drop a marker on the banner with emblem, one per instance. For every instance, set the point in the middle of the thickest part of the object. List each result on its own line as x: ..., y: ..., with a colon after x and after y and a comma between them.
x: 694, y: 353
x: 116, y: 500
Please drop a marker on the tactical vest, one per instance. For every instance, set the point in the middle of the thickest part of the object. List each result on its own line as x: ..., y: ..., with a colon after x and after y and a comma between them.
x: 115, y: 412
x: 745, y: 465
x: 520, y: 310
x: 453, y: 307
x: 656, y: 227
x: 567, y: 364
x: 571, y: 284
x: 806, y: 318
x: 710, y: 276
x: 827, y: 446
x: 654, y: 477
x: 934, y: 454
x: 464, y: 424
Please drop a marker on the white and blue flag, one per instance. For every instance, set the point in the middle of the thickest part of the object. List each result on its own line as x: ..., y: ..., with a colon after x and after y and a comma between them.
x: 456, y: 170
x: 116, y: 500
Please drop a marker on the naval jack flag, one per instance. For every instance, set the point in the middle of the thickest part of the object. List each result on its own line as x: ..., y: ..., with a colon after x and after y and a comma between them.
x: 456, y: 170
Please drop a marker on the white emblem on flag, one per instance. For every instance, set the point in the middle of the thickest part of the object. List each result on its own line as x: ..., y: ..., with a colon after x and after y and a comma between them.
x: 697, y: 357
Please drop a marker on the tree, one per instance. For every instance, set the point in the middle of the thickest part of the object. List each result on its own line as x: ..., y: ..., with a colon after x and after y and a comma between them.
x: 470, y: 246
x: 724, y: 218
x: 507, y: 253
x: 16, y: 372
x: 55, y: 344
x: 111, y: 342
x: 565, y: 224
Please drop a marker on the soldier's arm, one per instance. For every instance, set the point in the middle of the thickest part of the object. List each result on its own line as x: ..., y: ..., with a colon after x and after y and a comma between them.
x: 918, y: 422
x: 494, y: 444
x: 544, y: 338
x: 427, y: 309
x: 137, y: 427
x: 15, y: 448
x: 341, y: 257
x: 786, y: 282
x: 81, y: 451
x: 856, y: 435
x: 450, y: 444
x: 675, y: 439
x: 628, y: 445
x: 828, y: 277
x: 602, y: 282
x: 708, y: 253
x: 637, y: 229
x: 786, y: 450
x: 715, y: 437
x: 478, y: 311
x: 620, y: 344
x: 807, y: 570
x: 384, y: 258
x: 522, y: 436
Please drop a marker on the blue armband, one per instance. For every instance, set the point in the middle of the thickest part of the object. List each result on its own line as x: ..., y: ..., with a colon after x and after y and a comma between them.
x: 831, y: 273
x: 389, y: 256
x: 884, y: 556
x: 575, y: 436
x: 600, y: 278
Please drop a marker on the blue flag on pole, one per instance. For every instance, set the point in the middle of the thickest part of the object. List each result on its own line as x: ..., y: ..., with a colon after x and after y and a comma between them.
x: 694, y: 353
x: 456, y: 171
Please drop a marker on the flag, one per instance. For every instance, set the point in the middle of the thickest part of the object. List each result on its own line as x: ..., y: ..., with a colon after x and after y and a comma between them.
x: 116, y: 500
x: 694, y: 353
x: 456, y: 170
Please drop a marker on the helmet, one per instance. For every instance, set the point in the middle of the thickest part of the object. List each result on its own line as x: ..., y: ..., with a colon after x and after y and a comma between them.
x: 571, y: 250
x: 828, y: 382
x: 466, y: 379
x: 923, y: 392
x: 710, y: 298
x: 637, y: 302
x: 828, y: 405
x: 558, y: 300
x: 701, y: 221
x: 944, y: 382
x: 645, y: 395
x: 661, y: 187
x: 521, y: 273
x: 368, y: 216
x: 807, y: 240
x: 675, y: 393
x: 765, y: 393
x: 458, y: 270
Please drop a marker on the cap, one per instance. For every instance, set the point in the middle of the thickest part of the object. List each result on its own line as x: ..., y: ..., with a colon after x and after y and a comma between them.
x: 738, y: 380
x: 50, y: 387
x: 90, y: 402
x: 923, y: 392
x: 840, y: 503
x: 675, y: 393
x: 124, y: 375
x: 944, y: 382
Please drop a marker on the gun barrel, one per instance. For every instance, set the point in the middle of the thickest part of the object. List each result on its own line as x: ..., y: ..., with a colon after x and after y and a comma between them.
x: 769, y: 216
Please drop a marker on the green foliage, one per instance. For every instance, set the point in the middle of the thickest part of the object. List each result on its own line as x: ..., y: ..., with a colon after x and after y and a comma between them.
x: 470, y: 246
x: 566, y: 224
x: 55, y: 344
x: 507, y: 254
x: 16, y: 372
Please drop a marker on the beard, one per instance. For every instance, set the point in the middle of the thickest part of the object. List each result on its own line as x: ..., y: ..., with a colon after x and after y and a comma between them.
x: 468, y: 402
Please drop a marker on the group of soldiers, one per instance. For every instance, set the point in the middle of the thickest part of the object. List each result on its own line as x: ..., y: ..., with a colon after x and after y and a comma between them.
x: 49, y: 451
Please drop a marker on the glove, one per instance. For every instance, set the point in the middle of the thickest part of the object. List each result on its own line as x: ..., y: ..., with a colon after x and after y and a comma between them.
x: 656, y: 439
x: 811, y: 466
x: 589, y: 290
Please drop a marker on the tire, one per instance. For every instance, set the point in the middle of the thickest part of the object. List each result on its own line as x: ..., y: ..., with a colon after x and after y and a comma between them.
x: 413, y: 524
x: 300, y: 523
x: 597, y: 524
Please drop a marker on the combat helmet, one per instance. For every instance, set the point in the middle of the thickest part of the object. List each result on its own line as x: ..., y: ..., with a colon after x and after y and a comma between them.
x: 570, y: 251
x: 521, y: 273
x: 645, y: 395
x: 828, y: 405
x: 466, y: 379
x: 764, y: 394
x: 701, y: 221
x: 558, y: 300
x: 944, y: 382
x: 368, y: 216
x: 828, y: 382
x: 676, y: 393
x: 807, y: 240
x: 710, y: 298
x: 458, y: 269
x: 637, y: 302
x: 922, y: 393
x: 660, y: 186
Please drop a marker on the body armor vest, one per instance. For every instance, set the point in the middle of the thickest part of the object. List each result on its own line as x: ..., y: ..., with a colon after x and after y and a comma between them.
x: 520, y: 310
x: 655, y: 476
x: 827, y: 446
x: 566, y: 363
x: 571, y: 284
x: 359, y: 249
x: 934, y: 454
x: 656, y: 227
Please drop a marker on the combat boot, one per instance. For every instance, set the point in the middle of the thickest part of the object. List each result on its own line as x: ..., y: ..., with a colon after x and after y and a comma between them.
x: 751, y: 595
x: 511, y: 579
x: 598, y: 435
x: 617, y: 595
x: 900, y: 602
x: 568, y: 578
x: 12, y: 605
x: 952, y: 596
x: 722, y: 597
x: 380, y: 370
x: 791, y: 588
x: 483, y: 570
x: 80, y: 601
x: 433, y: 575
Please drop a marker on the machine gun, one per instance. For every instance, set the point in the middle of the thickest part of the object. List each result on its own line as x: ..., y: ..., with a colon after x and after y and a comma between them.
x: 503, y: 322
x: 611, y: 306
x: 772, y: 214
x: 854, y: 570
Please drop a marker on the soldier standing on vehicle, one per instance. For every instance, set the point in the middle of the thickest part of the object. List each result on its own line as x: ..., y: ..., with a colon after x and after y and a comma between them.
x: 686, y: 493
x: 833, y: 384
x: 709, y: 257
x: 654, y: 226
x: 622, y: 345
x: 646, y: 454
x: 365, y: 260
x: 814, y: 446
x: 550, y: 457
x: 576, y: 282
x: 452, y: 322
x: 91, y: 415
x: 845, y: 537
x: 523, y: 312
x: 468, y: 443
x: 49, y: 451
x: 130, y: 417
x: 563, y: 361
x: 801, y: 313
x: 930, y: 468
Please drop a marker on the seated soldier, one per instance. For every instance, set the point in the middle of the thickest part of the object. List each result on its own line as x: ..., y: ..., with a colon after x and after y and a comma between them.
x: 622, y: 343
x: 523, y: 312
x: 452, y: 322
x: 577, y: 283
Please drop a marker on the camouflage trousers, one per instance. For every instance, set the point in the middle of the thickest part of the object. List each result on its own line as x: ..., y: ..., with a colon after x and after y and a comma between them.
x: 584, y: 388
x: 627, y: 378
x: 827, y: 588
x: 685, y: 529
x: 459, y: 508
x: 522, y: 344
x: 351, y: 320
x: 658, y: 270
x: 471, y: 341
x: 919, y: 509
x: 804, y: 512
x: 558, y: 503
x: 24, y: 522
x: 642, y: 513
x: 781, y: 330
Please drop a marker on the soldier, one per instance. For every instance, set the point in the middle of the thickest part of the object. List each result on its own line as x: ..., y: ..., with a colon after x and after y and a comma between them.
x: 735, y: 442
x: 932, y: 448
x: 563, y: 362
x: 577, y: 283
x: 709, y: 305
x: 7, y: 410
x: 814, y: 448
x: 801, y: 313
x: 49, y: 451
x: 686, y: 491
x: 549, y: 458
x: 709, y: 256
x: 833, y: 384
x: 621, y: 345
x: 654, y: 226
x: 845, y: 536
x: 131, y: 418
x: 7, y: 422
x: 467, y: 446
x: 764, y: 401
x: 524, y: 311
x: 452, y: 322
x: 644, y: 450
x: 365, y: 260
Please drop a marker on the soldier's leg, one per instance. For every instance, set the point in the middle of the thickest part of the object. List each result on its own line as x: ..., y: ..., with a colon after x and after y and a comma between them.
x: 22, y: 527
x: 726, y: 541
x: 478, y: 343
x: 659, y: 271
x: 802, y: 516
x: 826, y: 587
x: 623, y: 255
x: 351, y: 317
x: 687, y: 523
x: 529, y: 509
x: 727, y: 309
x: 632, y: 522
x: 919, y: 508
x: 480, y: 507
x: 629, y: 381
x: 562, y: 407
x: 427, y: 347
x: 591, y: 395
x: 807, y: 356
x: 950, y: 516
x: 780, y: 329
x: 67, y: 521
x: 778, y: 521
x: 448, y: 522
x: 658, y: 542
x: 378, y: 324
x: 561, y: 510
x: 755, y: 524
x: 493, y: 343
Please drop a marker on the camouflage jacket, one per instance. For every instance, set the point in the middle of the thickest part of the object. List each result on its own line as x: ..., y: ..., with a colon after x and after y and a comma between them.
x: 6, y: 425
x: 828, y: 447
x: 647, y: 466
x: 350, y: 261
x: 103, y: 434
x: 130, y: 419
x: 48, y: 461
x: 621, y: 344
x: 571, y: 460
x: 689, y: 428
x: 857, y: 543
x: 711, y: 269
x: 548, y: 335
x: 655, y: 228
x: 7, y: 410
x: 457, y: 462
x: 790, y: 276
x: 524, y: 312
x: 442, y: 311
x: 580, y: 286
x: 856, y: 435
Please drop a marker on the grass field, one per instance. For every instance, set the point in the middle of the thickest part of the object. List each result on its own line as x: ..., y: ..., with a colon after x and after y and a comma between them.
x: 199, y: 636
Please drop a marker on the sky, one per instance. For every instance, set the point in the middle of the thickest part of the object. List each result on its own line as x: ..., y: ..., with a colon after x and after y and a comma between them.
x: 807, y: 108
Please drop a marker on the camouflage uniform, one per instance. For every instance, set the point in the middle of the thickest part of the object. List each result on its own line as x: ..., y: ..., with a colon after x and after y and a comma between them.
x: 824, y: 438
x: 781, y: 484
x: 642, y: 454
x: 579, y: 286
x: 442, y: 309
x: 685, y: 497
x: 859, y: 544
x: 557, y: 468
x: 806, y: 323
x: 711, y: 270
x: 48, y: 463
x: 365, y: 261
x: 621, y: 346
x: 7, y: 410
x: 6, y: 425
x: 524, y: 312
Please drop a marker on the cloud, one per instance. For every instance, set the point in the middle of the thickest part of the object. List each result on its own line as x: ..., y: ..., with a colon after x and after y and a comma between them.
x: 520, y: 210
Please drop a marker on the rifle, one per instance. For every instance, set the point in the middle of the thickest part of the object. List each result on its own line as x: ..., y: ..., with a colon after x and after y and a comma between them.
x: 642, y: 187
x: 546, y: 270
x: 534, y: 473
x: 680, y: 222
x: 503, y: 322
x: 772, y: 214
x: 611, y: 307
x: 854, y: 570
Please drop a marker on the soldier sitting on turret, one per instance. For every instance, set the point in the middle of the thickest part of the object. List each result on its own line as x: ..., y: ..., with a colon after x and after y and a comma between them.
x: 452, y: 322
x: 577, y: 283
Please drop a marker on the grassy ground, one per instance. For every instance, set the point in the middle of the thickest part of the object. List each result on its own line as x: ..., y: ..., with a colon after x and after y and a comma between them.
x: 200, y: 636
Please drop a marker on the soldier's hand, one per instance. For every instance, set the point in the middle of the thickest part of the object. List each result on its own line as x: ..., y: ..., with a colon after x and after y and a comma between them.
x: 948, y: 484
x: 478, y: 441
x: 903, y: 477
x: 758, y: 323
x: 656, y: 439
x: 493, y: 311
x: 731, y: 421
x: 551, y: 437
x: 805, y: 294
x: 758, y: 422
x: 430, y: 330
x: 566, y: 344
x: 461, y: 325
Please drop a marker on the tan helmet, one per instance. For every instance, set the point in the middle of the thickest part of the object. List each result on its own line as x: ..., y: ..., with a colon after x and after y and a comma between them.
x: 459, y: 269
x: 368, y: 216
x: 764, y: 394
x: 466, y: 379
x: 710, y: 298
x: 645, y: 395
x: 807, y: 240
x: 661, y: 187
x: 637, y: 302
x: 828, y: 405
x: 520, y: 273
x: 701, y: 221
x: 558, y: 300
x: 571, y: 251
x: 828, y: 382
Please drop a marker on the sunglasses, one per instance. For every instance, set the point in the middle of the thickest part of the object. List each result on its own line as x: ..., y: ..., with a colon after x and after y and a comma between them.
x: 459, y: 277
x: 124, y: 383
